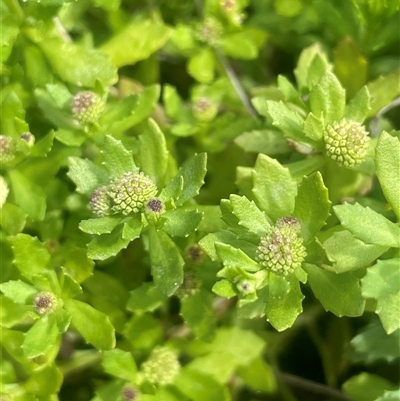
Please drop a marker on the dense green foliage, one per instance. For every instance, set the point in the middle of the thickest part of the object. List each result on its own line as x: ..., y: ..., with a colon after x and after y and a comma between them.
x: 200, y: 200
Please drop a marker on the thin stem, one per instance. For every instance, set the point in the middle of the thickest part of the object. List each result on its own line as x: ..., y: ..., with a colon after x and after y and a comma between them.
x: 236, y: 84
x: 13, y: 5
x: 313, y: 387
x: 61, y: 30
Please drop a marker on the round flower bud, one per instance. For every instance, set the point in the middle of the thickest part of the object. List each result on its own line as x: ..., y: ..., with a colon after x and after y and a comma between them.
x: 28, y: 138
x: 87, y: 107
x: 246, y: 286
x: 155, y: 205
x: 204, y: 109
x: 191, y: 284
x: 210, y: 31
x: 346, y: 142
x: 131, y: 192
x: 194, y: 254
x: 3, y: 191
x: 100, y: 202
x: 7, y: 149
x: 130, y: 394
x: 162, y: 367
x: 281, y: 250
x: 45, y: 302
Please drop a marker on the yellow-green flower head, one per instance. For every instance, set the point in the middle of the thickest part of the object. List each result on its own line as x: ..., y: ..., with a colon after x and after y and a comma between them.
x: 190, y: 286
x: 281, y: 249
x: 204, y: 109
x: 131, y: 192
x: 87, y: 107
x: 100, y: 202
x: 7, y: 149
x: 346, y: 142
x: 45, y: 302
x: 162, y: 367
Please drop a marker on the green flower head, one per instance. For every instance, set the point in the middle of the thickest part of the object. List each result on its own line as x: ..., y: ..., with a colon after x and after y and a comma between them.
x: 346, y: 142
x: 131, y: 192
x: 7, y: 149
x: 281, y: 249
x: 87, y: 107
x: 162, y: 367
x: 100, y: 202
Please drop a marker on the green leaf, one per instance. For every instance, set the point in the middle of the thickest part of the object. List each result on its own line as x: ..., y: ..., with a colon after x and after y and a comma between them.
x: 284, y: 301
x: 390, y: 396
x: 135, y: 42
x: 287, y: 120
x: 77, y: 263
x: 289, y: 91
x: 153, y: 153
x: 270, y: 142
x: 238, y: 45
x: 198, y: 313
x: 367, y: 225
x: 192, y: 172
x: 199, y: 386
x: 373, y: 344
x: 249, y: 215
x: 259, y: 376
x: 338, y: 293
x: 367, y: 387
x: 181, y: 222
x: 224, y: 288
x: 144, y: 331
x: 69, y: 137
x: 235, y: 258
x: 383, y: 90
x: 28, y: 195
x: 132, y: 228
x: 310, y: 67
x: 201, y: 66
x: 208, y: 243
x: 274, y: 188
x: 78, y: 65
x: 166, y: 262
x: 18, y: 291
x: 357, y: 109
x: 172, y: 190
x: 100, y: 225
x: 11, y: 313
x: 387, y: 161
x: 312, y: 205
x: 314, y: 128
x: 138, y: 108
x: 349, y: 253
x: 41, y: 337
x: 94, y: 326
x: 44, y: 382
x: 328, y: 98
x: 145, y: 298
x: 117, y: 159
x: 119, y: 363
x: 12, y: 218
x: 30, y: 256
x: 86, y: 175
x: 382, y: 282
x: 350, y: 66
x: 106, y: 245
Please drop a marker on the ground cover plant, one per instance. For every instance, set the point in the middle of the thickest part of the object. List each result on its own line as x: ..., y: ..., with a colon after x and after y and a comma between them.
x: 200, y: 200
